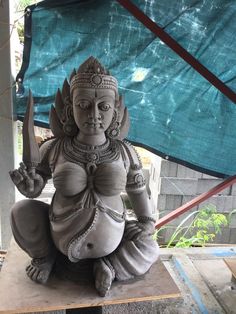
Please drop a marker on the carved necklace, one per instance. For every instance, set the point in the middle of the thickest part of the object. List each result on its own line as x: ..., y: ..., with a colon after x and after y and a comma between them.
x: 82, y: 154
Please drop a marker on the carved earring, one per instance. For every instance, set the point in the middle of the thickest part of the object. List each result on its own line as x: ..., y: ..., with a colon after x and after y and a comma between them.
x: 69, y: 125
x: 114, y: 129
x: 70, y: 128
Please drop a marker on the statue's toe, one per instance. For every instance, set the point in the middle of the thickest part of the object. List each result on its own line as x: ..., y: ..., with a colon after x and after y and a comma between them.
x: 40, y: 269
x: 43, y: 276
x: 103, y: 278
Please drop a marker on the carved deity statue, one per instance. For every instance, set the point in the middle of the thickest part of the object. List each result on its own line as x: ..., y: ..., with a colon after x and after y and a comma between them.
x: 91, y: 165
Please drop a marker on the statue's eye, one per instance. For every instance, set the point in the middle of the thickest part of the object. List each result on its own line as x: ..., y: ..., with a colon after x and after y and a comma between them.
x: 104, y: 106
x: 84, y: 104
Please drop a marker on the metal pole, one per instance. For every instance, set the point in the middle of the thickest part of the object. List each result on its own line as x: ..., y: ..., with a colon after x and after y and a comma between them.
x: 194, y: 202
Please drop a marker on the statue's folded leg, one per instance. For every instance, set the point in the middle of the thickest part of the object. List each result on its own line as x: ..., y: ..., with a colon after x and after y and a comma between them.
x: 31, y: 230
x: 133, y: 257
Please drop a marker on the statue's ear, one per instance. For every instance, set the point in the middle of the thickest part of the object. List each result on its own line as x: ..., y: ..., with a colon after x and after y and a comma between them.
x: 119, y: 126
x: 123, y: 119
x: 55, y: 124
x: 61, y: 117
x: 117, y: 103
x: 125, y: 123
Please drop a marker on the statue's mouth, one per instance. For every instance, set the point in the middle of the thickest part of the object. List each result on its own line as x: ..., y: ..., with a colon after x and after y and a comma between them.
x: 93, y: 125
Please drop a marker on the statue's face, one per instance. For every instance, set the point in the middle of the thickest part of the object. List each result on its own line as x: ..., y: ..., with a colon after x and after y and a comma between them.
x: 93, y: 109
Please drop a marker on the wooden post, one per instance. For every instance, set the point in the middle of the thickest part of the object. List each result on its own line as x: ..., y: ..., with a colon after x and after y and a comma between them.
x: 7, y: 127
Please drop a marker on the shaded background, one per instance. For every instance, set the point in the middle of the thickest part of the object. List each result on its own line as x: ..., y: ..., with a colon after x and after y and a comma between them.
x: 174, y: 111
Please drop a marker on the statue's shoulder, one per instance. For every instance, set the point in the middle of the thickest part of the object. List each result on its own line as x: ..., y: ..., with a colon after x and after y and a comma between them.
x: 47, y: 146
x: 130, y: 155
x: 48, y: 150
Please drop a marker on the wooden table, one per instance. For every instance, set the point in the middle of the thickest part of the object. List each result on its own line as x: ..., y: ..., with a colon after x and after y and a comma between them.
x: 19, y: 294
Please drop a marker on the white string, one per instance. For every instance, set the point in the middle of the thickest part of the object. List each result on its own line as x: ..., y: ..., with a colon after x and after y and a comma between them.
x: 11, y: 32
x: 177, y: 188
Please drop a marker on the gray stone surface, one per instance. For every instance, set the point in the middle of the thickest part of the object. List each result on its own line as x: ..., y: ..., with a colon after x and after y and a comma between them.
x: 233, y: 190
x: 168, y: 169
x: 178, y: 186
x: 224, y: 203
x: 169, y: 202
x: 187, y: 198
x: 205, y: 185
x: 223, y: 236
x: 173, y: 201
x: 154, y: 307
x: 155, y: 168
x: 232, y: 236
x: 232, y: 220
x: 207, y: 176
x: 184, y: 172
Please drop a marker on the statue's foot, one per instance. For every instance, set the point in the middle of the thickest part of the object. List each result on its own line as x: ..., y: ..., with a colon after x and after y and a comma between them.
x: 40, y: 269
x: 104, y: 275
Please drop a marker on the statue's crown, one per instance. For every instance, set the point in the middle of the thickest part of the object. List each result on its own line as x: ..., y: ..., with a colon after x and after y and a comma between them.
x: 91, y: 74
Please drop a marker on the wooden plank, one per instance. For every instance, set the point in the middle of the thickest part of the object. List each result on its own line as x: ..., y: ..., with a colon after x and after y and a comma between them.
x: 231, y: 263
x: 20, y: 295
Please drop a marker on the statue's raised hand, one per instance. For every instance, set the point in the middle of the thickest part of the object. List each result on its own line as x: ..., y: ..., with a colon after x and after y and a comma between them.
x: 27, y: 181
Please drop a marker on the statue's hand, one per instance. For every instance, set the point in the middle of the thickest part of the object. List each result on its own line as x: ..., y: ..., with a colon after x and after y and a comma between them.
x: 27, y: 181
x: 135, y: 230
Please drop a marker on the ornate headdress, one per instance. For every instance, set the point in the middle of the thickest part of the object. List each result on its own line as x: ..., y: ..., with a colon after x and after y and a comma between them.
x: 91, y: 74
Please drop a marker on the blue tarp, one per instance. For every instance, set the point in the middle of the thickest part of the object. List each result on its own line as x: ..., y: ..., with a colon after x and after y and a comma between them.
x: 174, y: 111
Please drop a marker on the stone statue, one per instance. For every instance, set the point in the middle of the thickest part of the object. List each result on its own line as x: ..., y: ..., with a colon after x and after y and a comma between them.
x: 90, y: 164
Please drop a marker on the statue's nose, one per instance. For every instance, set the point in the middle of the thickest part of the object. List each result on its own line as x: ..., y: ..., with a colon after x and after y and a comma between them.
x: 95, y: 114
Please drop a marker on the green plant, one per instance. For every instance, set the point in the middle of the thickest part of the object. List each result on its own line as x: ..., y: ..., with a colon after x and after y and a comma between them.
x: 22, y: 4
x: 202, y: 227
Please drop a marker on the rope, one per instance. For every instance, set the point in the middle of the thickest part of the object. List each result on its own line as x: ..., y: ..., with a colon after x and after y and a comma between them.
x: 177, y: 48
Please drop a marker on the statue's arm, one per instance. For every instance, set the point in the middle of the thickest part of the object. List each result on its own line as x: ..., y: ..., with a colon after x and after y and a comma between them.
x: 145, y: 224
x: 31, y: 181
x: 138, y: 196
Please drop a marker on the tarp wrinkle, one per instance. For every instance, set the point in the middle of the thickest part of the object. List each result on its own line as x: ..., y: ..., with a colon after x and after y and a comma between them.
x: 174, y: 111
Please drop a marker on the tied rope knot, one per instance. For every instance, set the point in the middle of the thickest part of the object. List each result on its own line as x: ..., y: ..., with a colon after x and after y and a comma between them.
x: 91, y: 168
x: 90, y: 182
